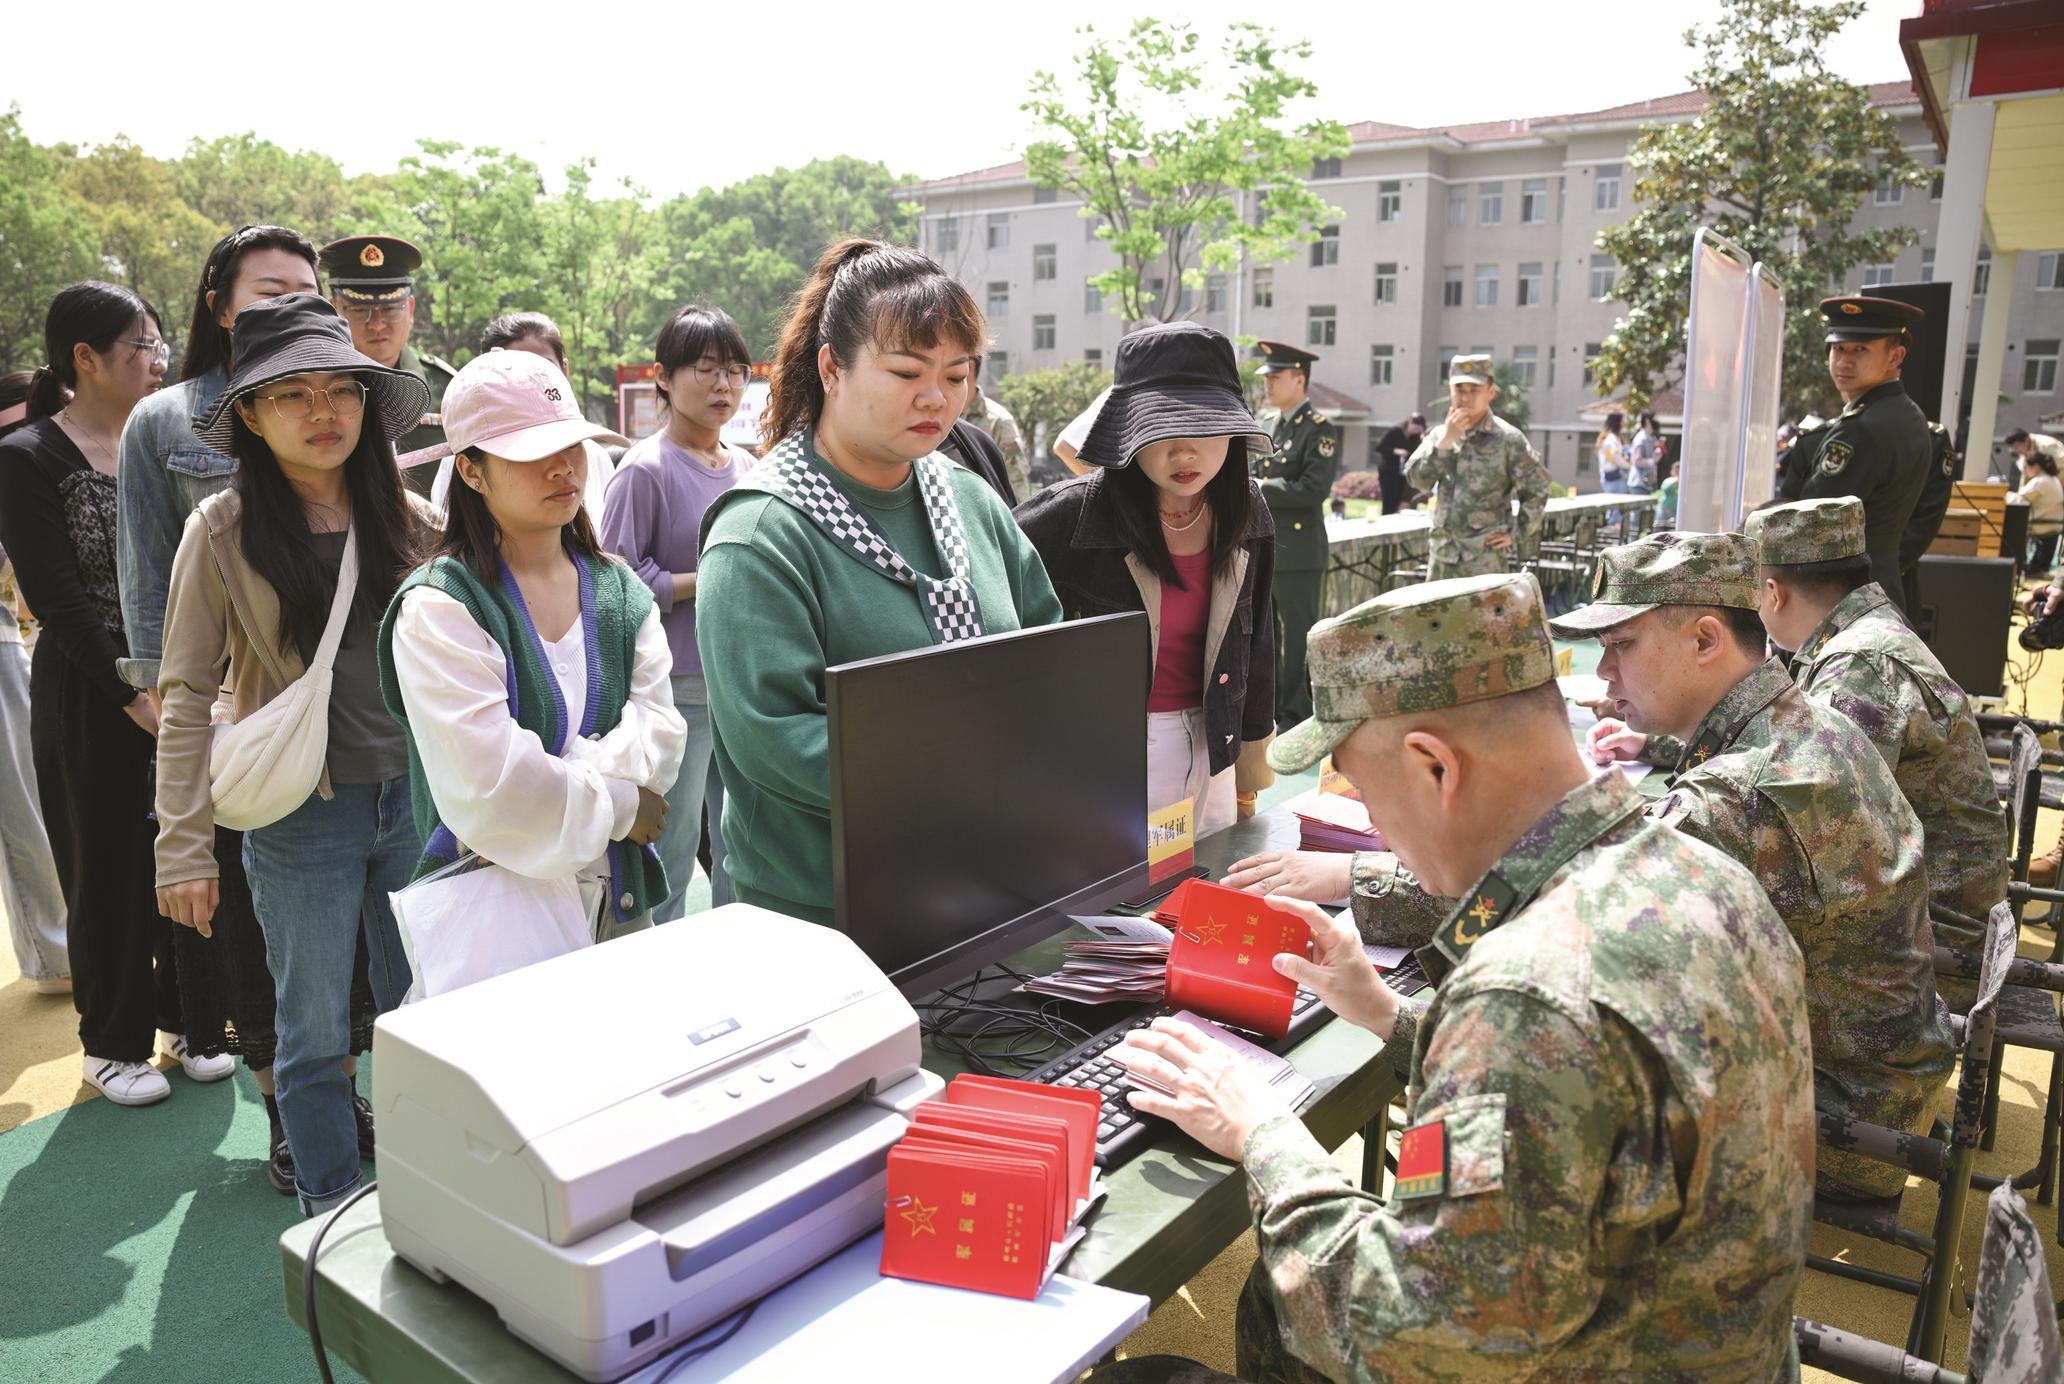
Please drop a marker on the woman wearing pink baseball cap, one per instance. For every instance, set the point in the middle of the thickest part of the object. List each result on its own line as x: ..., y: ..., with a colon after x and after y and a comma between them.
x: 529, y: 670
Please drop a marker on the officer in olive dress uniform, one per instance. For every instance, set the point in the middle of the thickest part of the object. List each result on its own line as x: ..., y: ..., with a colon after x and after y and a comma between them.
x: 372, y: 285
x: 1928, y: 511
x: 1878, y: 448
x: 1296, y: 481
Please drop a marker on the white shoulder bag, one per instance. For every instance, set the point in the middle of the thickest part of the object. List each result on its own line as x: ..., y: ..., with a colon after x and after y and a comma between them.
x: 264, y: 766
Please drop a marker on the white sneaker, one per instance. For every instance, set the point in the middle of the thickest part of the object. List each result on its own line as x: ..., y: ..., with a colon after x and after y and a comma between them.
x: 126, y: 1083
x: 201, y: 1068
x: 56, y: 985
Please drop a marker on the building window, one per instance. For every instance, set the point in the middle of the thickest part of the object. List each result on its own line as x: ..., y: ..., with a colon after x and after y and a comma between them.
x: 1876, y: 275
x: 1591, y: 350
x: 1604, y: 269
x: 1094, y: 355
x: 1214, y: 293
x: 1487, y: 285
x: 1533, y: 201
x: 1151, y: 295
x: 1887, y: 193
x: 1981, y: 275
x: 1458, y: 206
x: 1043, y: 332
x: 1264, y: 288
x: 1319, y: 327
x: 1325, y: 168
x: 1326, y: 249
x: 1605, y: 192
x: 1451, y: 286
x: 1045, y: 263
x: 1448, y: 353
x: 999, y: 230
x: 999, y: 300
x: 998, y: 366
x: 2049, y: 270
x: 1525, y: 360
x: 946, y: 235
x: 1927, y: 266
x: 1386, y: 281
x: 1092, y: 298
x: 1490, y: 203
x: 1043, y: 195
x: 1382, y: 364
x: 2039, y: 368
x: 1551, y: 367
x: 1390, y: 201
x: 1529, y: 286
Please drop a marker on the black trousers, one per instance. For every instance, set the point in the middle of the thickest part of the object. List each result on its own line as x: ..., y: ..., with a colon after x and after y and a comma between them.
x: 1297, y: 610
x: 2042, y: 553
x: 1390, y: 475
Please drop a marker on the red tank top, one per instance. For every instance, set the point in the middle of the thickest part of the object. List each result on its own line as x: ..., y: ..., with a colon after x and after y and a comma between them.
x: 1179, y: 664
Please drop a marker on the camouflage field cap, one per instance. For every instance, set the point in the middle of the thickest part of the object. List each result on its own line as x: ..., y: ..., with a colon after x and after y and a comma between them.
x: 1470, y: 369
x: 1700, y: 569
x: 1419, y: 648
x: 1823, y: 530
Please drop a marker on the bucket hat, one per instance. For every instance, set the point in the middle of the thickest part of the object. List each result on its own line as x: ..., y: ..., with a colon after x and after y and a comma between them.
x: 1174, y: 379
x: 301, y: 334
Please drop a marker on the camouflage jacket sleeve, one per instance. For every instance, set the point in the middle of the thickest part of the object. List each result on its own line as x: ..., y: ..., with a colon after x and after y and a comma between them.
x: 1429, y: 466
x: 1502, y: 1262
x: 1879, y: 695
x: 1741, y: 824
x: 1391, y: 907
x: 1663, y: 751
x: 1531, y: 487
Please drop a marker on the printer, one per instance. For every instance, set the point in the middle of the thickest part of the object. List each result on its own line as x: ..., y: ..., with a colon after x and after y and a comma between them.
x: 716, y: 1122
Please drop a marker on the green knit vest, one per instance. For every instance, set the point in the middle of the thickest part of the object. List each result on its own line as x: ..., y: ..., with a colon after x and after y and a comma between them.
x: 614, y: 603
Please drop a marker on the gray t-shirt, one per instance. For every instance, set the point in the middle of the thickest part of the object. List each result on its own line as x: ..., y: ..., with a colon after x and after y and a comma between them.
x: 366, y: 744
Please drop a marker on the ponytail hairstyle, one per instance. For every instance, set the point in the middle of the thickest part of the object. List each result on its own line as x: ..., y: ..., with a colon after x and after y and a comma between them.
x: 1614, y: 421
x: 92, y: 312
x: 861, y: 292
x: 207, y: 340
x: 474, y: 539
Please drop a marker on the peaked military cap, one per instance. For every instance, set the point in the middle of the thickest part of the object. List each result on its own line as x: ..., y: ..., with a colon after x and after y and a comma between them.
x: 1472, y: 368
x: 1281, y: 355
x: 371, y: 268
x: 1420, y: 648
x: 1823, y: 530
x: 1867, y: 319
x: 1695, y: 569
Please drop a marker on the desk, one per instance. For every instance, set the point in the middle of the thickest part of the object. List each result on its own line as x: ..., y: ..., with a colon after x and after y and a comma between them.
x: 1170, y: 1211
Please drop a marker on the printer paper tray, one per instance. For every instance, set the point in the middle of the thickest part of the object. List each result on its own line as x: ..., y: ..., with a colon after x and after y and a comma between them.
x: 758, y: 1194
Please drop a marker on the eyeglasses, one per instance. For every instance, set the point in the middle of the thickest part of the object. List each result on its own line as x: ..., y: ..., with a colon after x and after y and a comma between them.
x: 384, y: 312
x: 345, y: 400
x: 159, y: 350
x: 709, y: 374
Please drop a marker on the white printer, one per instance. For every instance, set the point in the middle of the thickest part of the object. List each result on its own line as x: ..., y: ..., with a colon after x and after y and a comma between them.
x: 710, y: 1118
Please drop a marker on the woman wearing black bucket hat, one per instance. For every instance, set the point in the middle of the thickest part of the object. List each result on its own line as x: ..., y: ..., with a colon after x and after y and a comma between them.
x: 1170, y: 522
x: 317, y: 507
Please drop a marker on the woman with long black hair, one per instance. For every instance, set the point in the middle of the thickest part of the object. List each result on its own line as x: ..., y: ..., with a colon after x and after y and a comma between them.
x: 317, y: 503
x: 90, y: 731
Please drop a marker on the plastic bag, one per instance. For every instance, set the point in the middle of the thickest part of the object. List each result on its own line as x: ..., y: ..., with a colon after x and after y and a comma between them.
x: 474, y: 919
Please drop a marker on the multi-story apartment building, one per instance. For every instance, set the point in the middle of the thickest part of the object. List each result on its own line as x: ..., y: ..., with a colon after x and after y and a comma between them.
x: 1467, y: 237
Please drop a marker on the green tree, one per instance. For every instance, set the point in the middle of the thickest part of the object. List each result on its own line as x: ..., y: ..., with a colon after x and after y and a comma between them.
x: 602, y: 257
x: 476, y: 215
x: 46, y: 242
x: 150, y: 239
x: 1045, y: 401
x: 1778, y: 162
x: 1164, y: 142
x: 238, y: 180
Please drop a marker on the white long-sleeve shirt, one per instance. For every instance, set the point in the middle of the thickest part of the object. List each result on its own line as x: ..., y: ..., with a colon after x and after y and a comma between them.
x: 497, y: 787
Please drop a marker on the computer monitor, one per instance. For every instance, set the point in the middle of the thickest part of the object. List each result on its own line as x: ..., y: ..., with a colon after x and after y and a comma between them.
x: 984, y: 790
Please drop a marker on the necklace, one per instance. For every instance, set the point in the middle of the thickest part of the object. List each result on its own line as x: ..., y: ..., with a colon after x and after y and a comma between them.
x: 1187, y: 524
x: 77, y: 428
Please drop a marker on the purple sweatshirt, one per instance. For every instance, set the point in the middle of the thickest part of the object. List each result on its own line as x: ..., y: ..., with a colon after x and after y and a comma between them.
x: 651, y: 518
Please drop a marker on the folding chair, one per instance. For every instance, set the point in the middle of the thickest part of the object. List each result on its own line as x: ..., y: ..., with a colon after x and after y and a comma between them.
x: 1946, y: 1163
x: 2013, y: 1327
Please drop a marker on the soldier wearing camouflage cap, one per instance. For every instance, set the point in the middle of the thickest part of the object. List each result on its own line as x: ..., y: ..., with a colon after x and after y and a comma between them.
x: 1794, y: 791
x: 1852, y: 652
x: 1601, y: 979
x: 1478, y: 466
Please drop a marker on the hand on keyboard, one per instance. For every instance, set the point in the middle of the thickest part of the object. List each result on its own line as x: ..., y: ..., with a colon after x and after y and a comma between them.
x: 1210, y: 1094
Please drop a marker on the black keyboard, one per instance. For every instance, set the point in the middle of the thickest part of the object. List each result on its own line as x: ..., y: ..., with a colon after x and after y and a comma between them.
x: 1092, y: 1066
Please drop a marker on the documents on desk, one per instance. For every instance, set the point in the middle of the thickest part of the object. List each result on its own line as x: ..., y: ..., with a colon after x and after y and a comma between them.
x: 721, y: 1126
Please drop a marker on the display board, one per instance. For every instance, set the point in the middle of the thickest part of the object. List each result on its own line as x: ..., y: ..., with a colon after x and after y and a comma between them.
x: 1734, y: 352
x: 639, y: 412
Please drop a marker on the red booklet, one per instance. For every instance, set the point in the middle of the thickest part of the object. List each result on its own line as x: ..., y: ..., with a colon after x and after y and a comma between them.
x: 1047, y: 1137
x: 1219, y: 960
x: 966, y: 1220
x: 1080, y: 1110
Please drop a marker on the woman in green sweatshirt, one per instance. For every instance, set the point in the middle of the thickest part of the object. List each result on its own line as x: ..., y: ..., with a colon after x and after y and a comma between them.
x: 850, y: 540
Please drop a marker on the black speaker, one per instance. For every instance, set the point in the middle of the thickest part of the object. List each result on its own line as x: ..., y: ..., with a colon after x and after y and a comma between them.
x: 2014, y: 533
x: 1965, y: 605
x: 1922, y: 372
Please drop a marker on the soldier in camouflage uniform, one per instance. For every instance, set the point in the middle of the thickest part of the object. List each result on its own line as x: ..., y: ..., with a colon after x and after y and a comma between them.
x: 996, y: 420
x: 1477, y: 464
x: 1793, y: 790
x: 1852, y: 652
x: 1607, y: 1165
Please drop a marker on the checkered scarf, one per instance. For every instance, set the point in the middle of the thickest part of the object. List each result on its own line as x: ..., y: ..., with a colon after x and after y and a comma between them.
x: 949, y: 607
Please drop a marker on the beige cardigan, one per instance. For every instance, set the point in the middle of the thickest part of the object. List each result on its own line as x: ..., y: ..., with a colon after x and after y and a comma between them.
x: 222, y: 661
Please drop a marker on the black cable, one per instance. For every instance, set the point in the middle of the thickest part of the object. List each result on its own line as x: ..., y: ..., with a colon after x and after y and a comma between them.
x: 322, y: 1360
x: 691, y: 1351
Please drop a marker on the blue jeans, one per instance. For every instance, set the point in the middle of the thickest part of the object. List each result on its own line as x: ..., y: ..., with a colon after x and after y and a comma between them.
x: 320, y: 877
x: 29, y: 885
x: 696, y: 786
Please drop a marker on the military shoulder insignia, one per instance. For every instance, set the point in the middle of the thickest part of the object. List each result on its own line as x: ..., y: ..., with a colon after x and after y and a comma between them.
x: 1422, y: 1165
x: 1327, y: 446
x: 1812, y: 425
x: 1312, y: 415
x: 1834, y: 457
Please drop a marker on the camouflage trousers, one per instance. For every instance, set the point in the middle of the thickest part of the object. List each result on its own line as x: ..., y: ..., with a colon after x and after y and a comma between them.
x: 1263, y: 1358
x: 1464, y: 557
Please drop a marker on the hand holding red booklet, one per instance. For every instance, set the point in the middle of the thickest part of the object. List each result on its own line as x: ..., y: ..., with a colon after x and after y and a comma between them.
x: 1221, y: 963
x: 986, y: 1186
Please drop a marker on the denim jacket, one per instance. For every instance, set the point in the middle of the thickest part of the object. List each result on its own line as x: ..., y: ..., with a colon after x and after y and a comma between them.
x: 165, y: 472
x: 1072, y: 527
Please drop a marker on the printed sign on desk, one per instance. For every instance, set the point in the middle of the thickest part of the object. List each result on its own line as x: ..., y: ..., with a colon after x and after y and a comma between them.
x: 1171, y: 840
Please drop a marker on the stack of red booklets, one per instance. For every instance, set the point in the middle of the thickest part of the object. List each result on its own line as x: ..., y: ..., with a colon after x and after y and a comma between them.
x: 1333, y: 822
x: 1221, y: 961
x: 988, y: 1187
